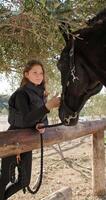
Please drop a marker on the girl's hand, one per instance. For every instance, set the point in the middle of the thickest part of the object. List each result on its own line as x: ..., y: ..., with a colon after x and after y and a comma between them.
x: 54, y: 102
x: 38, y: 127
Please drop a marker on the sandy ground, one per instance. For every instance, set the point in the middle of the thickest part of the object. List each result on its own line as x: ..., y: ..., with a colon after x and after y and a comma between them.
x: 74, y: 169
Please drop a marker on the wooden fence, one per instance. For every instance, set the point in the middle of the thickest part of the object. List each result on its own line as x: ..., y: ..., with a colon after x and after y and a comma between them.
x: 17, y: 141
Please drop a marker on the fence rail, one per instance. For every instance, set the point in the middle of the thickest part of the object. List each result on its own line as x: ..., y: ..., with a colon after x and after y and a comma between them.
x: 14, y: 142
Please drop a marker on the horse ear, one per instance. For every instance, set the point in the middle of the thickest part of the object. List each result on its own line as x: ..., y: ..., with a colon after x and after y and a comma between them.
x: 66, y: 32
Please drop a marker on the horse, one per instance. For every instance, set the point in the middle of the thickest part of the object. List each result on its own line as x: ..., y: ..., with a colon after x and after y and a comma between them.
x: 82, y: 66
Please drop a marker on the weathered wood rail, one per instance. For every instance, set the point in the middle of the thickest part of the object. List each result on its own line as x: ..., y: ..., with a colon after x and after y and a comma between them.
x: 18, y: 141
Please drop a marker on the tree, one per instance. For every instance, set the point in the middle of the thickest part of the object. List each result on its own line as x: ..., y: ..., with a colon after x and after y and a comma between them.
x: 29, y: 28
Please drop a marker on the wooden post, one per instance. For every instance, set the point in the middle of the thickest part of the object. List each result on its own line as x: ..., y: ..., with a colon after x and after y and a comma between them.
x: 98, y: 168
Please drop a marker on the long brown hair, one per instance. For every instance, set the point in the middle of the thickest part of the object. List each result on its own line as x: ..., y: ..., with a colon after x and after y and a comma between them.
x: 30, y: 64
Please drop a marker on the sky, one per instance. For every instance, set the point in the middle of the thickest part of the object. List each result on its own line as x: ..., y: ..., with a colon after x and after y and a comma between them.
x: 4, y: 85
x: 7, y: 85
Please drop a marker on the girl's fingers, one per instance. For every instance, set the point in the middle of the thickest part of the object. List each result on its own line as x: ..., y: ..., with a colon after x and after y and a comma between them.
x: 41, y: 130
x: 39, y: 127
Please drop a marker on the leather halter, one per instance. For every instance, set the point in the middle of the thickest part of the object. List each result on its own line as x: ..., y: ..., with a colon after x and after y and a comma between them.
x: 74, y: 78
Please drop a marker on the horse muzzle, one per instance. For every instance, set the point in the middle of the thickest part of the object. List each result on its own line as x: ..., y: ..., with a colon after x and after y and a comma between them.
x: 68, y: 118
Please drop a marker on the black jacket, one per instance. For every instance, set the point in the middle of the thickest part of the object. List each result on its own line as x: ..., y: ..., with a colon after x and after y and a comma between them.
x: 27, y: 107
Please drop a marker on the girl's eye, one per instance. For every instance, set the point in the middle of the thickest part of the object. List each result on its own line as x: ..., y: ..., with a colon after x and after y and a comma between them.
x: 39, y: 74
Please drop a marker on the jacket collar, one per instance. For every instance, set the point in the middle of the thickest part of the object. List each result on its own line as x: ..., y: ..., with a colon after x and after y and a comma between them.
x: 39, y: 89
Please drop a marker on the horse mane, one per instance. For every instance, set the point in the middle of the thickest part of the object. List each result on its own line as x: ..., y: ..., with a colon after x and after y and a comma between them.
x: 96, y: 26
x: 98, y: 19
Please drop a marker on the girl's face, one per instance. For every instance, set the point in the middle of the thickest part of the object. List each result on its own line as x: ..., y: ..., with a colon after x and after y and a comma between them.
x: 35, y: 75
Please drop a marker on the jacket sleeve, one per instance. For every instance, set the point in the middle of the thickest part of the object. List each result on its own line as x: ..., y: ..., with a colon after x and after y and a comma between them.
x: 30, y: 117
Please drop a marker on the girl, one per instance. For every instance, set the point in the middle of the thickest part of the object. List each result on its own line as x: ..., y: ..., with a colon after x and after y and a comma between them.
x: 28, y: 108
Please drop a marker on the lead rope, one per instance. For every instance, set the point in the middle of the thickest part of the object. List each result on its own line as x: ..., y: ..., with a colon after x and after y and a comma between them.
x: 39, y: 182
x: 12, y: 166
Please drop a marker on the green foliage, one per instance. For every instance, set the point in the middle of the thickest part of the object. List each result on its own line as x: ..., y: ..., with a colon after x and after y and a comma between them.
x: 96, y: 106
x: 29, y: 28
x: 26, y: 37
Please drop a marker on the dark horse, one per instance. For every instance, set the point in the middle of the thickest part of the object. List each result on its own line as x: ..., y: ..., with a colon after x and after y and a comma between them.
x: 83, y: 67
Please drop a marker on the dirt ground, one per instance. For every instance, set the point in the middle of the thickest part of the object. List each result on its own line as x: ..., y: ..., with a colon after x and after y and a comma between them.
x: 73, y: 169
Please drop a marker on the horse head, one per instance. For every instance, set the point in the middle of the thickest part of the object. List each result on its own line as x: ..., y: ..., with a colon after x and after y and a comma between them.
x: 82, y: 67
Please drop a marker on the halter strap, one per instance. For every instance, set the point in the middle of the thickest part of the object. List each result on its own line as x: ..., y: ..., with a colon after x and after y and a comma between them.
x: 72, y: 73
